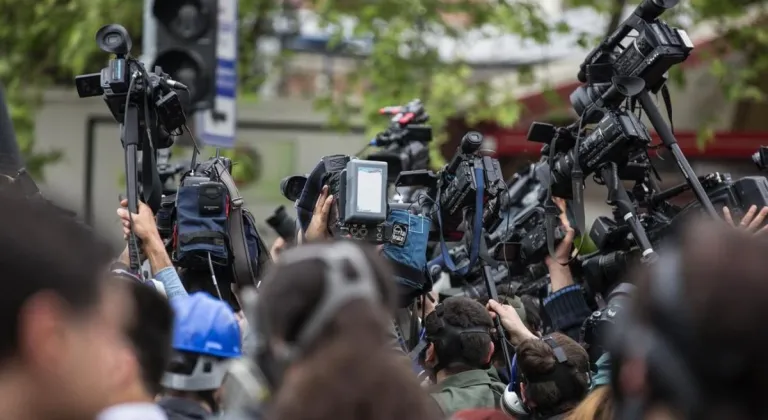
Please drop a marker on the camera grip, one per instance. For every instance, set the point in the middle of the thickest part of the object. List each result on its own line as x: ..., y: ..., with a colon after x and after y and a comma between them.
x: 134, y: 253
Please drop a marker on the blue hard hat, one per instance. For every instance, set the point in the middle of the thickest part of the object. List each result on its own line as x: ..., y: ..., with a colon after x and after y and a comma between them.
x: 205, y: 325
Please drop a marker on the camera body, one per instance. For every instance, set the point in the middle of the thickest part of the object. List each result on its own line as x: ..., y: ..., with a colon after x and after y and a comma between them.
x: 404, y: 142
x: 617, y: 138
x: 649, y: 56
x: 125, y: 80
x: 738, y: 196
x: 453, y: 191
x: 527, y: 242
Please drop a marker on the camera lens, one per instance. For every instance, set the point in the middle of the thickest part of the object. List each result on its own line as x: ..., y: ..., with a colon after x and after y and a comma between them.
x: 113, y: 39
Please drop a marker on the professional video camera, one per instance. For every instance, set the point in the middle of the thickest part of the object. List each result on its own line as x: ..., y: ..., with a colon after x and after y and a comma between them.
x: 405, y: 141
x: 146, y: 106
x: 469, y: 185
x: 616, y: 149
x: 614, y: 71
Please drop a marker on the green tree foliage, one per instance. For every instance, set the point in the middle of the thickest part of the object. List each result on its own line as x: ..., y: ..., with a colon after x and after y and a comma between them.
x: 47, y: 42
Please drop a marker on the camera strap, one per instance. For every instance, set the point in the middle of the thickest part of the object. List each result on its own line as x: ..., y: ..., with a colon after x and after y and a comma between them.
x: 477, y: 228
x: 241, y: 268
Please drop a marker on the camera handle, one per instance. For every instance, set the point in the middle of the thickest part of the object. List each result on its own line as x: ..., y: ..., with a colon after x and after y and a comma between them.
x: 131, y: 140
x: 619, y: 199
x: 670, y: 142
x: 490, y: 287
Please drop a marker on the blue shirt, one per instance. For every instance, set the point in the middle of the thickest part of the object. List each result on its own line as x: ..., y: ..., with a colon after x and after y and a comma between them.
x: 171, y: 282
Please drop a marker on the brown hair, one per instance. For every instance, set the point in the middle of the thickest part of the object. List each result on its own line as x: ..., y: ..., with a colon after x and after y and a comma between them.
x: 536, y: 359
x: 598, y: 405
x: 724, y: 295
x: 480, y: 414
x: 350, y: 372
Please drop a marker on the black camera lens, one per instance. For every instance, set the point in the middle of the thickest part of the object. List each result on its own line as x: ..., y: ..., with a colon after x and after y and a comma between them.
x: 292, y: 186
x: 283, y: 224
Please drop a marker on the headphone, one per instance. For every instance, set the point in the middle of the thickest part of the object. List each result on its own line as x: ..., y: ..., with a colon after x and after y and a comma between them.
x: 511, y: 401
x: 659, y: 344
x: 447, y: 338
x: 340, y: 289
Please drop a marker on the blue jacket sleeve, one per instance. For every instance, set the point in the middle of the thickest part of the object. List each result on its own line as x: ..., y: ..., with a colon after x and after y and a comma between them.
x: 567, y: 309
x: 171, y: 282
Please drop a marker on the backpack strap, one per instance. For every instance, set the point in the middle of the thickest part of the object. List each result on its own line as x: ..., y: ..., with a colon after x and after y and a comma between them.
x: 241, y: 269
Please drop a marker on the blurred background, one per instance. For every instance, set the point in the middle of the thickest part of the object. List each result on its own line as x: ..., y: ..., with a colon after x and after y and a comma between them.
x: 311, y: 75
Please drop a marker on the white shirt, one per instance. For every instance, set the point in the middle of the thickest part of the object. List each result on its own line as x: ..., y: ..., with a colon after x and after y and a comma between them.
x: 133, y: 411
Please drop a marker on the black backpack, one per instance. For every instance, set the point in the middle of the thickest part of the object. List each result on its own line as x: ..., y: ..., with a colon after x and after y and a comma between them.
x: 212, y: 227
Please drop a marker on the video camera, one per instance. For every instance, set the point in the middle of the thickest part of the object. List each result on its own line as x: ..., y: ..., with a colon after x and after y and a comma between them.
x: 612, y: 72
x: 360, y: 191
x: 146, y: 106
x: 469, y: 183
x: 405, y: 141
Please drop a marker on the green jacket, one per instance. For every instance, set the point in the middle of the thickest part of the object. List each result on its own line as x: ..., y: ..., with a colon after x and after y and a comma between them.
x: 467, y: 390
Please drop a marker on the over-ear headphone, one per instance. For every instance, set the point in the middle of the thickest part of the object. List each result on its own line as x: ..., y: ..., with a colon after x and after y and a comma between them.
x: 340, y: 288
x: 511, y: 402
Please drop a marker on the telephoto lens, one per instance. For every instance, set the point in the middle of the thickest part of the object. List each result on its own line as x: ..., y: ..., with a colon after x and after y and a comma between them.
x: 283, y: 224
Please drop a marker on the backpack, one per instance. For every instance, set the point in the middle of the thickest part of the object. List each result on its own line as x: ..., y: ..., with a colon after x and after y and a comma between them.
x: 213, y: 228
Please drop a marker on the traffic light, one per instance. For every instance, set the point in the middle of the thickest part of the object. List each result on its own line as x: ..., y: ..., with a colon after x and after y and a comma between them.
x: 186, y: 46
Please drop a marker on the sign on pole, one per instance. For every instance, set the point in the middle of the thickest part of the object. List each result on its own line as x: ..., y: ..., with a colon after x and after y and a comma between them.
x: 217, y: 126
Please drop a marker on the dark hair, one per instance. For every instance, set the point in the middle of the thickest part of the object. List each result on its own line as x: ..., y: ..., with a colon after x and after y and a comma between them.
x: 461, y: 312
x: 350, y: 372
x: 149, y: 332
x: 536, y: 359
x: 42, y: 250
x: 723, y: 293
x: 532, y: 313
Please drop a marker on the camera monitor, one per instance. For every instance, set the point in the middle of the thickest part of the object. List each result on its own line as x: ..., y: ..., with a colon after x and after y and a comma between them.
x: 364, y: 192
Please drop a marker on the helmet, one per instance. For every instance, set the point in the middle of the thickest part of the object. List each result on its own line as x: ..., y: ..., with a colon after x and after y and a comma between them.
x: 206, y: 333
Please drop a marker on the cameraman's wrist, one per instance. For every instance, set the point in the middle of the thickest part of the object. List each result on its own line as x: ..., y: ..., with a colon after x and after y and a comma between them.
x: 559, y: 276
x: 152, y: 242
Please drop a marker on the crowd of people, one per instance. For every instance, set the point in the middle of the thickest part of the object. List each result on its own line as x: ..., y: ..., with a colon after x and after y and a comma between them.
x: 85, y: 338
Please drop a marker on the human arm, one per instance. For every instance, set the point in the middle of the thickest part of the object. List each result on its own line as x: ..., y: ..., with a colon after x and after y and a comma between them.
x: 143, y: 225
x: 566, y: 305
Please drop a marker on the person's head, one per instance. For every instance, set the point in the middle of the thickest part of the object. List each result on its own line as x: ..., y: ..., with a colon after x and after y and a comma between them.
x: 206, y: 338
x: 458, y: 332
x: 60, y: 327
x: 322, y: 320
x: 148, y: 324
x: 694, y: 344
x: 553, y: 373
